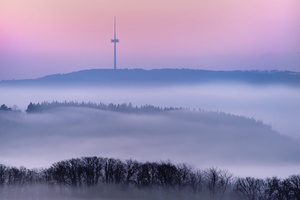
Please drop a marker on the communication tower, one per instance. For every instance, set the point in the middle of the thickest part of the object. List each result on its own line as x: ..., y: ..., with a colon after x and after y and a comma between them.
x: 115, y: 41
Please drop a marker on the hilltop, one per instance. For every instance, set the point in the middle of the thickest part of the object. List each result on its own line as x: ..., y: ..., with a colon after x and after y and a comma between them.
x: 161, y: 77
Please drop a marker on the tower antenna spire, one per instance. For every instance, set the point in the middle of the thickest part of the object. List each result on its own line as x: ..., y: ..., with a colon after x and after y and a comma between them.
x: 115, y: 41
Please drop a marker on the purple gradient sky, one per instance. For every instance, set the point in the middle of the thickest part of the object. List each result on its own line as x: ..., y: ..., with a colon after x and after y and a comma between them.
x: 40, y: 37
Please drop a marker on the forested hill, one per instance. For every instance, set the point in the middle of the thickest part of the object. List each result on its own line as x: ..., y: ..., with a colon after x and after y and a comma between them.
x: 122, y: 108
x: 162, y: 77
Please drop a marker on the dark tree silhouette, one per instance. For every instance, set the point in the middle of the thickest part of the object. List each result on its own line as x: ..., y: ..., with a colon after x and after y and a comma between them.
x: 249, y: 188
x: 212, y: 183
x: 124, y: 108
x: 5, y: 108
x: 183, y: 175
x: 196, y: 181
x: 3, y: 174
x: 218, y: 182
x: 147, y: 175
x: 166, y: 174
x: 295, y: 186
x: 92, y: 170
x: 131, y: 170
x: 114, y: 171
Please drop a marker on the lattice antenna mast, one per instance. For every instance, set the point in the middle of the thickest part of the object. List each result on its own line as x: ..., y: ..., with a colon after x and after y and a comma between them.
x: 115, y: 41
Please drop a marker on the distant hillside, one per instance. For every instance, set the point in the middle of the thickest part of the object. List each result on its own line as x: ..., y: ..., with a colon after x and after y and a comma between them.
x: 122, y: 108
x: 162, y: 77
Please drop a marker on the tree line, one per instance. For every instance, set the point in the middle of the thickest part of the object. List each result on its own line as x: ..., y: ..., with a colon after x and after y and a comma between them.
x: 5, y: 108
x: 122, y: 108
x: 125, y: 108
x: 212, y: 183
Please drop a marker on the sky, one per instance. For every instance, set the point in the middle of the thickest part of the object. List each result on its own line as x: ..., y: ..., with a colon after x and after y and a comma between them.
x: 40, y: 37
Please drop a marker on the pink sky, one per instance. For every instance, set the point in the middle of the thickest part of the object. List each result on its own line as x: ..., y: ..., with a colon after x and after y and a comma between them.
x: 40, y: 37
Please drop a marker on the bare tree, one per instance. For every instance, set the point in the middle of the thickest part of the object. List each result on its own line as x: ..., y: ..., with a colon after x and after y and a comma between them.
x: 295, y: 186
x: 114, y: 171
x: 218, y: 182
x: 58, y: 172
x: 249, y: 188
x: 3, y: 174
x: 119, y: 172
x: 285, y: 190
x: 109, y: 170
x: 272, y: 188
x: 131, y: 171
x: 147, y: 175
x: 166, y: 174
x: 196, y: 181
x: 92, y: 168
x: 224, y: 182
x: 183, y: 175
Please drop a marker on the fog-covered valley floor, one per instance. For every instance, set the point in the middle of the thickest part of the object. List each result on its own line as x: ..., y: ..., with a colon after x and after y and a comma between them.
x: 276, y: 105
x: 247, y: 129
x: 200, y: 138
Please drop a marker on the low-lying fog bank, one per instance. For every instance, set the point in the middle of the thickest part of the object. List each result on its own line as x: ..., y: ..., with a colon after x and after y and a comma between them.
x: 275, y: 105
x: 244, y: 146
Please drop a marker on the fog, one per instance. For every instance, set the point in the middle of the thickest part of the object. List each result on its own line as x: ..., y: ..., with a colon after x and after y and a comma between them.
x: 202, y: 139
x: 275, y: 105
x: 100, y: 192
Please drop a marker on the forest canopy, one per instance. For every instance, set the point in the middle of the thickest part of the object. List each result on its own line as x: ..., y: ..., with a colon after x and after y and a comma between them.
x: 126, y: 108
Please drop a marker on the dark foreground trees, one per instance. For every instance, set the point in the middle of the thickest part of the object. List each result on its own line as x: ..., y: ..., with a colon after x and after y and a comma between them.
x: 96, y: 172
x: 10, y: 176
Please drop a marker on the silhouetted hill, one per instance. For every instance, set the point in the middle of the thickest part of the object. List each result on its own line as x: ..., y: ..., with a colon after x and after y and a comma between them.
x: 163, y: 77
